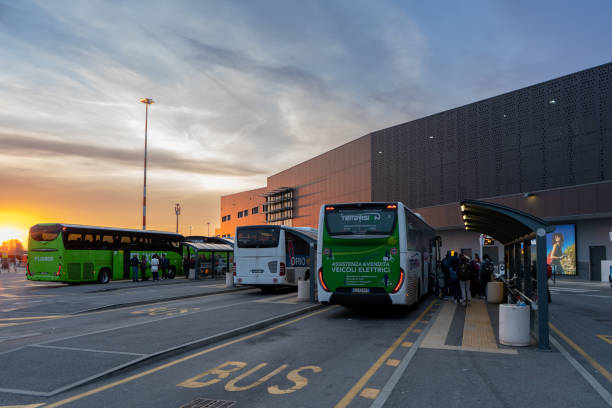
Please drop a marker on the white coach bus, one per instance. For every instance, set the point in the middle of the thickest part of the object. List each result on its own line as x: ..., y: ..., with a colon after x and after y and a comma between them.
x: 268, y: 256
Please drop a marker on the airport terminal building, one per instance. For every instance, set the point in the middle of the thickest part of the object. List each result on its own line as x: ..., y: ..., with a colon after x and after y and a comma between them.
x: 545, y: 149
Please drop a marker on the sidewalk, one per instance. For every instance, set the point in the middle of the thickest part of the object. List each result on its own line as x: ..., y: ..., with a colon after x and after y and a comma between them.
x: 460, y: 346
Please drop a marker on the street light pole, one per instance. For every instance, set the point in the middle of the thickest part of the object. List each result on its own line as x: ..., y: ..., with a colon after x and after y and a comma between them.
x: 147, y: 102
x: 177, y: 211
x: 208, y: 223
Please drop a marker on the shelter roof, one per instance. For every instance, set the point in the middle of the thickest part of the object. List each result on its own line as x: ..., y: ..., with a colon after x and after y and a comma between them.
x: 505, y: 224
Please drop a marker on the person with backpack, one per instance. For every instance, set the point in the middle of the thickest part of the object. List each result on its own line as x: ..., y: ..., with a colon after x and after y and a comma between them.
x: 464, y: 273
x: 143, y: 267
x: 487, y: 270
x: 134, y: 265
x: 454, y: 278
x: 155, y: 267
x: 475, y: 285
x: 446, y: 275
x: 165, y: 264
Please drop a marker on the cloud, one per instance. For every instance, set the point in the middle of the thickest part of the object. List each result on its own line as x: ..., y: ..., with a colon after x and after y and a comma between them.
x: 21, y: 145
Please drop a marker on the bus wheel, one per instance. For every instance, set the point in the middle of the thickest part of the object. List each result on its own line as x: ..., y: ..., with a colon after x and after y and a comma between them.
x: 171, y: 272
x: 416, y: 303
x: 104, y: 276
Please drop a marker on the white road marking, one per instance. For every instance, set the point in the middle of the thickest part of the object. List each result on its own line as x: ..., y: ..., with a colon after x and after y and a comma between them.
x: 87, y: 350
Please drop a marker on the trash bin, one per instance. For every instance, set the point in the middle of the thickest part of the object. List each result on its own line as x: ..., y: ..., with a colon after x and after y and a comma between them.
x: 191, y: 273
x: 229, y: 280
x: 495, y: 292
x: 514, y: 325
x: 304, y: 290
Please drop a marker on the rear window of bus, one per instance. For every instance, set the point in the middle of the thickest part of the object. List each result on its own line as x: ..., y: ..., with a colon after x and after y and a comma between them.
x: 44, y: 232
x: 257, y: 237
x: 360, y: 221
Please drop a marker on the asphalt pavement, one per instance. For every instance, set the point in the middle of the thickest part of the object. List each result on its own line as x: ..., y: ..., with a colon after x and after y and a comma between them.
x: 251, y: 349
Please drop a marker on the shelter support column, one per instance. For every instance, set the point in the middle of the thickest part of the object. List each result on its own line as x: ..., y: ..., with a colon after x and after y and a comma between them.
x: 518, y: 265
x: 314, y: 272
x: 527, y: 267
x: 543, y: 342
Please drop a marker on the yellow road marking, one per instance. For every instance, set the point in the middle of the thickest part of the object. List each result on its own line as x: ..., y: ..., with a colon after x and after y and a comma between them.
x: 366, y: 377
x: 580, y: 351
x: 10, y: 319
x: 407, y: 344
x: 606, y: 337
x: 417, y: 330
x: 474, y: 349
x: 22, y: 406
x: 370, y: 393
x: 181, y: 360
x: 439, y: 330
x: 392, y: 362
x: 477, y: 329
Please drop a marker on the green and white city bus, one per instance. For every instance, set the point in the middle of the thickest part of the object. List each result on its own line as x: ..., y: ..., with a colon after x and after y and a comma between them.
x: 373, y: 253
x: 80, y: 253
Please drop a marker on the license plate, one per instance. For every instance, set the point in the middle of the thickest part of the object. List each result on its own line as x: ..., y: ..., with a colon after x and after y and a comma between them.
x: 256, y: 270
x: 361, y: 290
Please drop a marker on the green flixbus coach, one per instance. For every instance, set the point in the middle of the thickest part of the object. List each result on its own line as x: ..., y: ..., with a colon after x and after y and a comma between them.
x: 379, y: 253
x: 81, y: 253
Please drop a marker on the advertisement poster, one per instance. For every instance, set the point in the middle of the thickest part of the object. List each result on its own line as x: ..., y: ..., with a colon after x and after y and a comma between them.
x: 561, y: 249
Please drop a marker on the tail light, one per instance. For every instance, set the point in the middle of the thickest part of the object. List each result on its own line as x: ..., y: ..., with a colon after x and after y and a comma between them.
x: 391, y: 206
x: 59, y: 270
x: 400, y: 282
x: 234, y: 268
x: 282, y: 269
x: 28, y: 269
x: 323, y: 285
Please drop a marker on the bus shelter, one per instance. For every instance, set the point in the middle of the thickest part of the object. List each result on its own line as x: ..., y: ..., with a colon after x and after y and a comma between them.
x: 516, y: 230
x: 209, y: 260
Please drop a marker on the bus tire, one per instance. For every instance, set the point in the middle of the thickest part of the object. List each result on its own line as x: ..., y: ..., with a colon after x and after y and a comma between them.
x: 104, y: 275
x: 171, y: 272
x: 416, y: 303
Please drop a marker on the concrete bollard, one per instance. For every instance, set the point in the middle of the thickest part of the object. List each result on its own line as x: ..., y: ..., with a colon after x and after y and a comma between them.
x: 303, y: 290
x: 229, y: 280
x: 495, y: 292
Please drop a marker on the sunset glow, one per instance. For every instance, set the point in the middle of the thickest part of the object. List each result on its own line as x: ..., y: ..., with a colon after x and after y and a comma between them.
x: 236, y: 103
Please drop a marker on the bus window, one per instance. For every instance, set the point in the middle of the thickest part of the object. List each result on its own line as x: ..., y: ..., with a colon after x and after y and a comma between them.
x: 106, y: 241
x: 44, y: 232
x: 263, y: 237
x: 360, y: 221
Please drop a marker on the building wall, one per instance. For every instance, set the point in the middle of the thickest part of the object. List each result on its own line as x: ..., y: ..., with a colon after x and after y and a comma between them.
x: 340, y: 175
x: 554, y: 134
x: 233, y: 203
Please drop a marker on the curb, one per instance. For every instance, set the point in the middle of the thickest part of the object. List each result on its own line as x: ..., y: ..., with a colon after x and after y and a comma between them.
x: 180, y: 349
x: 158, y: 300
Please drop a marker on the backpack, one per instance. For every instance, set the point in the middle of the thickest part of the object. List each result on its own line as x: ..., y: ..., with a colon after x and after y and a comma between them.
x: 453, y: 274
x: 465, y: 273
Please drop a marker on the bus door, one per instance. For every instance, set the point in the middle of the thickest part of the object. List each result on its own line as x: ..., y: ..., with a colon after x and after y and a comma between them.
x: 121, y: 264
x: 297, y: 258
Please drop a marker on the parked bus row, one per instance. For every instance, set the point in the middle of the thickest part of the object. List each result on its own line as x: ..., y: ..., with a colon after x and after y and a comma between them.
x: 365, y: 253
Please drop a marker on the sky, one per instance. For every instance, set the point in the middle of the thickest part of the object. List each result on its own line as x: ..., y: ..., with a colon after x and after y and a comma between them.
x: 242, y: 90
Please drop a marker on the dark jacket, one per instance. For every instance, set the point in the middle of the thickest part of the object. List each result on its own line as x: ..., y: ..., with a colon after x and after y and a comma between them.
x: 134, y: 261
x: 465, y: 270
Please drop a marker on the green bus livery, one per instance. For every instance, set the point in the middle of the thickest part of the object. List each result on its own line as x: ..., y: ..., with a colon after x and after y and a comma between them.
x: 80, y: 253
x: 373, y: 253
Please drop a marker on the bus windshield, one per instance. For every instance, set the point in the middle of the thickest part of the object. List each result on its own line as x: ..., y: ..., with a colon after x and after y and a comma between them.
x: 360, y: 221
x: 45, y: 232
x: 257, y: 237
